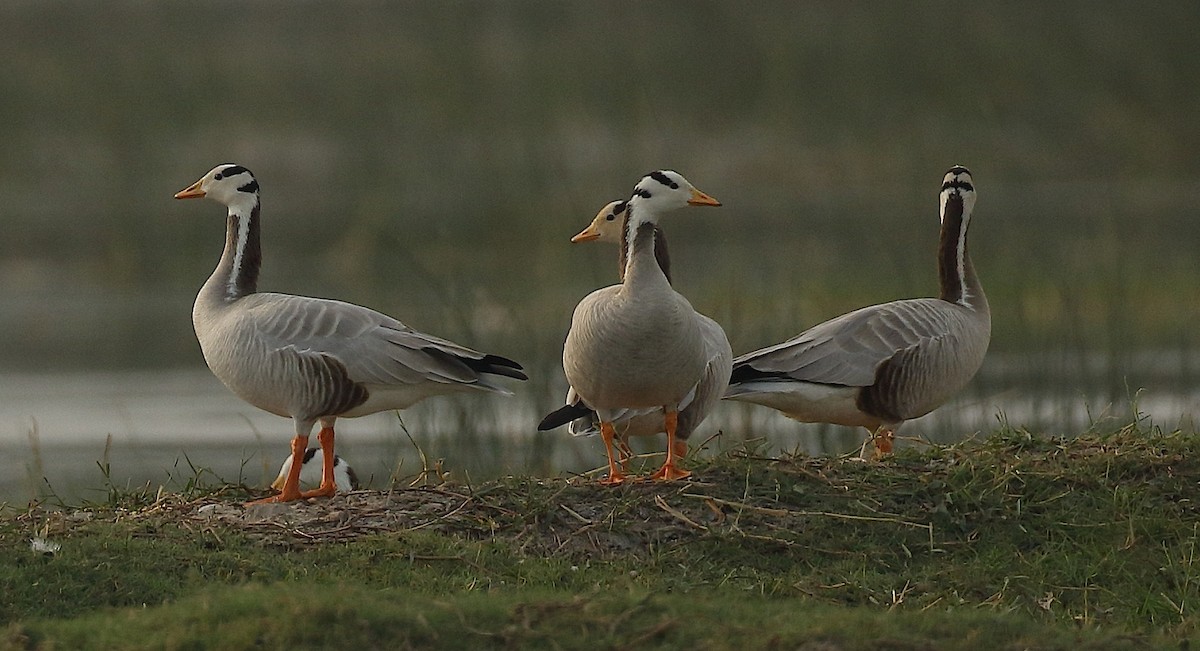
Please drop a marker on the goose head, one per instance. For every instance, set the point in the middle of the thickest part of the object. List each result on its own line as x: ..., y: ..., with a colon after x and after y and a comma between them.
x: 665, y: 190
x: 310, y: 471
x: 232, y: 185
x: 606, y: 227
x: 958, y: 192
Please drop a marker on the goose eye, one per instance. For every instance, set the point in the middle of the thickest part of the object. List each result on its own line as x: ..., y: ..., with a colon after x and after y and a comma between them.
x: 218, y: 177
x: 610, y: 217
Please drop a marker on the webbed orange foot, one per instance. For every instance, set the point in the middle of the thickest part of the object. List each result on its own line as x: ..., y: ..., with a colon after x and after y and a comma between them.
x: 614, y: 480
x: 277, y: 498
x: 323, y: 491
x: 670, y: 472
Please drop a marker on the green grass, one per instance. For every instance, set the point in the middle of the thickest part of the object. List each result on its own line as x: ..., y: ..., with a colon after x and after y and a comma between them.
x: 1014, y: 541
x: 315, y: 615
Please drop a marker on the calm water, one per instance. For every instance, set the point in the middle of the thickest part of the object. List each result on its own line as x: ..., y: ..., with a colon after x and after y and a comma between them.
x: 55, y: 427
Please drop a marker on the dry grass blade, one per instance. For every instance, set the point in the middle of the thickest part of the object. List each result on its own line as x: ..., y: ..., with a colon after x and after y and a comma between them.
x: 662, y: 504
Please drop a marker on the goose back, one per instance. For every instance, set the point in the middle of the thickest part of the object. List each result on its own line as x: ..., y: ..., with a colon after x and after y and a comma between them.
x: 309, y: 357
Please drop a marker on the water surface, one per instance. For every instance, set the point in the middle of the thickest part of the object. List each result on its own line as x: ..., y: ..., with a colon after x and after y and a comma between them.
x: 160, y: 427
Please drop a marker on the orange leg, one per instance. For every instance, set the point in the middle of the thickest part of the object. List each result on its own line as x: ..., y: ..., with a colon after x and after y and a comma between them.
x: 328, y: 487
x: 670, y: 470
x: 680, y: 448
x: 291, y: 485
x: 615, y: 475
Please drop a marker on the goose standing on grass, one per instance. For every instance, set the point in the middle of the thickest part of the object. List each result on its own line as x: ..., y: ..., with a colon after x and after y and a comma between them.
x: 639, y: 344
x: 606, y: 227
x: 311, y: 359
x: 311, y: 468
x: 882, y: 365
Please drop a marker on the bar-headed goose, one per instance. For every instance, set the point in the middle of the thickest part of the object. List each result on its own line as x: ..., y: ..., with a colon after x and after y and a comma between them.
x: 639, y: 344
x: 311, y: 468
x: 313, y: 359
x: 606, y: 227
x: 884, y: 364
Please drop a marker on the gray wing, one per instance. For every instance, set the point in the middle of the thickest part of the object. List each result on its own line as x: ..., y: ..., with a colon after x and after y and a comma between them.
x: 715, y: 381
x: 374, y: 348
x: 848, y: 350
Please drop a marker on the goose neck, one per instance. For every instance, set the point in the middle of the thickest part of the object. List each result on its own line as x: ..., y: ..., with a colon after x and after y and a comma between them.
x: 236, y: 274
x: 661, y: 254
x: 639, y: 263
x: 956, y: 273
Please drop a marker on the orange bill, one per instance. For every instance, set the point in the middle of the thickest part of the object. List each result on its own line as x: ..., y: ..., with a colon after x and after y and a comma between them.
x: 192, y: 191
x: 586, y: 235
x: 700, y: 199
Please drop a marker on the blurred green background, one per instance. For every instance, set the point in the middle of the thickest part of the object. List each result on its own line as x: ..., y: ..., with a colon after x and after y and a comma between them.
x: 431, y: 160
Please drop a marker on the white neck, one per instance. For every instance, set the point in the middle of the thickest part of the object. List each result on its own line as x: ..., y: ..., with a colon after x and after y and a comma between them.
x: 236, y: 274
x: 239, y: 251
x: 637, y: 245
x: 956, y: 275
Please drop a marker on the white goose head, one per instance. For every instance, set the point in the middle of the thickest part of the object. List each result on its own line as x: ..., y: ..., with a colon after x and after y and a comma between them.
x: 232, y: 185
x: 606, y: 227
x: 658, y: 192
x: 958, y: 188
x: 310, y: 471
x: 662, y: 191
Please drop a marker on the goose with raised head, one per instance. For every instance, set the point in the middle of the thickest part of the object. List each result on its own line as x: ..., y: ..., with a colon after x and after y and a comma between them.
x: 312, y: 465
x: 583, y: 421
x: 639, y: 344
x: 311, y: 359
x: 879, y: 366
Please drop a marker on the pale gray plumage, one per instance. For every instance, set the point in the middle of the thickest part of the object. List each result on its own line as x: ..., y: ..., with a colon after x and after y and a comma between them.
x: 303, y: 357
x: 313, y: 359
x: 881, y: 365
x: 694, y: 409
x: 639, y: 344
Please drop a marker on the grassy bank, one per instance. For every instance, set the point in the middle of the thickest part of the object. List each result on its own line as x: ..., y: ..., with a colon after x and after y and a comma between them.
x: 1015, y: 541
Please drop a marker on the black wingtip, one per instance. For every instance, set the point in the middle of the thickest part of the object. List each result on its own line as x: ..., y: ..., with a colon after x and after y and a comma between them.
x: 497, y: 365
x: 746, y: 373
x: 563, y: 415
